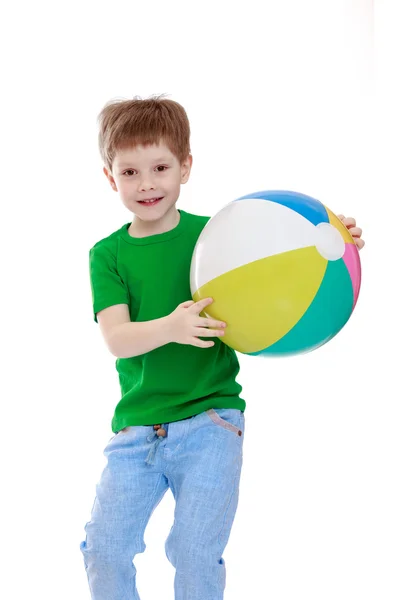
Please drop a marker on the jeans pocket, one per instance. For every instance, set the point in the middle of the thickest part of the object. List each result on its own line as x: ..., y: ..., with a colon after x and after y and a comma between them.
x: 231, y: 419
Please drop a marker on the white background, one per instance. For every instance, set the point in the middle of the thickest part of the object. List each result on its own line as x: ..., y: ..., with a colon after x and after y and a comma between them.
x: 280, y: 95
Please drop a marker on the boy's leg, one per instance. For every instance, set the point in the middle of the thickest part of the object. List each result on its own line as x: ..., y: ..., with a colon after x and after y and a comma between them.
x: 204, y: 473
x: 127, y: 494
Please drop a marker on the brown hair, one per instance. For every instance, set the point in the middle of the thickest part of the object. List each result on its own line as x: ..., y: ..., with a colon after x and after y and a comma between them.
x: 127, y: 123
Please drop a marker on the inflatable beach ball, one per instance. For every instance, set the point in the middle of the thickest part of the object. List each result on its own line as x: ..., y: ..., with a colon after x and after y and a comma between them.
x: 283, y: 270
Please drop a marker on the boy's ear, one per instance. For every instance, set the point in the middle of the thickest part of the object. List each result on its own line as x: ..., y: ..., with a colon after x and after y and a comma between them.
x: 110, y: 179
x: 186, y: 168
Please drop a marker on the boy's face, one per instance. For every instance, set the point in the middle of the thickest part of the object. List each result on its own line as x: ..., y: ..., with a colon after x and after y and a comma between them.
x: 147, y: 172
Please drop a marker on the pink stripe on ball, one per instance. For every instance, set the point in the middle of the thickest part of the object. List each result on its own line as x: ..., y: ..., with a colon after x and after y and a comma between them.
x: 352, y: 261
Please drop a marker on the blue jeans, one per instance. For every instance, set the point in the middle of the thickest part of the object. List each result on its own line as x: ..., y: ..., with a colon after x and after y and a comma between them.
x: 200, y: 459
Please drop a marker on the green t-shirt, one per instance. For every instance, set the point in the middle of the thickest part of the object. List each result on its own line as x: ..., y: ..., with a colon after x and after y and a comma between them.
x: 152, y: 276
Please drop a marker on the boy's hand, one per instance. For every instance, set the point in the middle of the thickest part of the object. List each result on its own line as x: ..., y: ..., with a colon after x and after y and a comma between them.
x: 355, y: 231
x: 186, y: 325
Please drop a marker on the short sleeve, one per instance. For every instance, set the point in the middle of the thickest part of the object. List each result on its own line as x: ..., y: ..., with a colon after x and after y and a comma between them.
x: 107, y: 286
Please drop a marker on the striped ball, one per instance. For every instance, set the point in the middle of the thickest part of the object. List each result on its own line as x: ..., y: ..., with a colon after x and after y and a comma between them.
x: 283, y: 270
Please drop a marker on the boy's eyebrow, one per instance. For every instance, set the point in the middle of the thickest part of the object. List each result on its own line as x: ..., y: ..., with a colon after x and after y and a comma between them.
x: 157, y: 160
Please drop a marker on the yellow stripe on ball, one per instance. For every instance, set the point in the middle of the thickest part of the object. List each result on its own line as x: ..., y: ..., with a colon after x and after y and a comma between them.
x: 262, y: 301
x: 344, y: 232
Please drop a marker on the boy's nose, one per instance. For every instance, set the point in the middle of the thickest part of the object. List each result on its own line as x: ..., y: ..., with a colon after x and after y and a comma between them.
x: 146, y: 184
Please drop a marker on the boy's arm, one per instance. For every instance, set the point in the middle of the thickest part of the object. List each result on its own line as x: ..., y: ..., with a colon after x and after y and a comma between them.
x: 136, y: 338
x: 125, y: 338
x: 184, y: 325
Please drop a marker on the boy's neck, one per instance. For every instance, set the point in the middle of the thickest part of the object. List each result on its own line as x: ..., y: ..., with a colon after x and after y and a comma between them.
x: 140, y: 229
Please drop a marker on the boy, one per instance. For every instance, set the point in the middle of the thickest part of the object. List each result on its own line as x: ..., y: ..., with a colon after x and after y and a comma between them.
x: 180, y: 421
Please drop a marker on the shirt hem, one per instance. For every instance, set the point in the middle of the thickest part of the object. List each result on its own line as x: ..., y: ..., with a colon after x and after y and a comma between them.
x: 159, y: 419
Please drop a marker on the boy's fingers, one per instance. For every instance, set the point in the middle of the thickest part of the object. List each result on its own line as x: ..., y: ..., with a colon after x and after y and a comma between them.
x: 202, y: 343
x: 201, y: 304
x: 356, y: 231
x: 204, y: 322
x: 187, y: 304
x: 204, y: 332
x: 349, y: 222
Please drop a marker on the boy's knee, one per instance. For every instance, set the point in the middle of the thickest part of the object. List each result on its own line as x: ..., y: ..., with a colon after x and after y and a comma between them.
x: 109, y: 553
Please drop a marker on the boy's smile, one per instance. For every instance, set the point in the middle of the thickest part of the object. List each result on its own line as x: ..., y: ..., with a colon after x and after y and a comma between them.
x: 150, y: 202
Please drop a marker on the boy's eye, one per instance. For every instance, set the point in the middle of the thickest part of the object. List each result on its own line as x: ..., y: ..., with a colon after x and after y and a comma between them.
x: 164, y: 168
